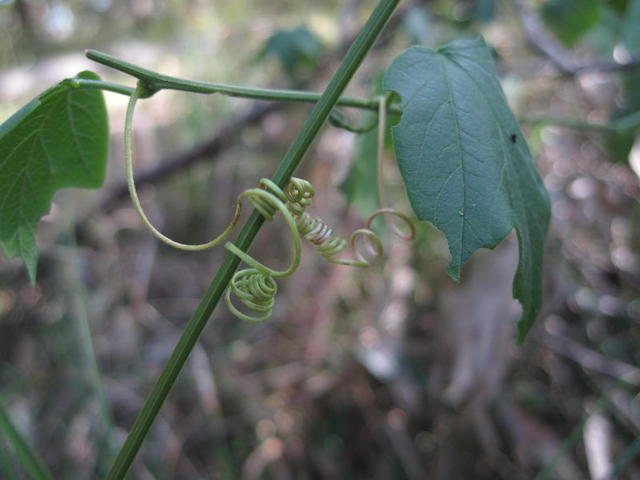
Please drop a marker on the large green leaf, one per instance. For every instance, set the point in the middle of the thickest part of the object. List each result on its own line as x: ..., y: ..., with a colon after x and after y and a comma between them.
x: 465, y: 161
x: 58, y: 140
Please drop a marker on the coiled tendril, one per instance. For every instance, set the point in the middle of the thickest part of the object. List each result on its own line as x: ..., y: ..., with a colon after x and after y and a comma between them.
x: 256, y: 287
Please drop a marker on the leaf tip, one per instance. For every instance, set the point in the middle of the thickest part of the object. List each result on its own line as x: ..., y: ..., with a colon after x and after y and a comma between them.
x: 454, y: 271
x: 527, y: 320
x: 30, y: 258
x: 523, y: 331
x: 32, y: 269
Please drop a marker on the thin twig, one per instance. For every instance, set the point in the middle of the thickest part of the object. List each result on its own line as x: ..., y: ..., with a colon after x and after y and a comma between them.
x: 207, y: 149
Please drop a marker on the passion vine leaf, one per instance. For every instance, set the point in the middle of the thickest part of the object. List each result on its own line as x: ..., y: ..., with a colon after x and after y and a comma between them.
x: 58, y: 140
x: 466, y: 163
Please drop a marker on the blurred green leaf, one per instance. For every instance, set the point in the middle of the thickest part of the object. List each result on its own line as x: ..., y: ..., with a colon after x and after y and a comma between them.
x: 631, y: 27
x: 484, y: 10
x: 619, y: 5
x: 360, y: 187
x: 466, y: 163
x: 622, y: 142
x: 58, y: 140
x: 604, y: 36
x: 295, y: 49
x: 571, y: 19
x: 418, y: 26
x: 626, y: 117
x: 627, y: 31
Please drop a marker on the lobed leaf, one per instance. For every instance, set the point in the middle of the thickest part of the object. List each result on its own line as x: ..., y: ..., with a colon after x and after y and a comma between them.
x: 58, y: 140
x: 465, y: 161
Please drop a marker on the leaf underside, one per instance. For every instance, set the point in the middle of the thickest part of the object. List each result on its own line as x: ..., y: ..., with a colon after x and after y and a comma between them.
x: 465, y: 161
x: 58, y: 140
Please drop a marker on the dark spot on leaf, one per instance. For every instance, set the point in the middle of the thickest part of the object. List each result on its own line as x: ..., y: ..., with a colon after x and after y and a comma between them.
x: 514, y: 137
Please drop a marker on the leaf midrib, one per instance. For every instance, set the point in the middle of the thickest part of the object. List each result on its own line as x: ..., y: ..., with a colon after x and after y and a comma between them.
x: 505, y: 164
x: 461, y: 163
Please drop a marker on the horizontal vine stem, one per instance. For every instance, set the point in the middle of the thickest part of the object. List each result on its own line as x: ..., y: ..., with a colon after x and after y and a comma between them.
x: 156, y: 81
x: 317, y: 118
x: 308, y: 96
x: 569, y: 123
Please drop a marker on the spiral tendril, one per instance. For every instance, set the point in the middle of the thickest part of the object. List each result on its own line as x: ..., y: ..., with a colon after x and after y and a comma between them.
x: 255, y: 287
x: 256, y: 290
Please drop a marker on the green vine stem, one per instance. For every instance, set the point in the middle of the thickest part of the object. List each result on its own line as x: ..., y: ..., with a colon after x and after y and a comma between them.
x: 157, y: 81
x: 321, y: 110
x: 28, y: 457
x: 570, y: 123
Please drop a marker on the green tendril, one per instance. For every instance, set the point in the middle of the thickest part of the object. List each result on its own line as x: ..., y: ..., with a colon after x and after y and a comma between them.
x: 256, y: 290
x: 256, y: 287
x: 270, y: 201
x: 410, y: 233
x: 128, y: 160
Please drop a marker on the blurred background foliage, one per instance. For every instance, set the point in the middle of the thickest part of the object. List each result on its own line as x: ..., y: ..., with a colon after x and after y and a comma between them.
x: 393, y: 372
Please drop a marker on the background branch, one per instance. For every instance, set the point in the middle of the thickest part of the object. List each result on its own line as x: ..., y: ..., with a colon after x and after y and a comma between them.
x: 219, y: 142
x: 545, y: 43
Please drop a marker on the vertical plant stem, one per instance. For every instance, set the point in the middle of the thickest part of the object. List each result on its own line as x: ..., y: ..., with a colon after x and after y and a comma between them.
x: 289, y: 163
x: 625, y: 459
x: 78, y: 297
x: 6, y: 462
x: 28, y: 457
